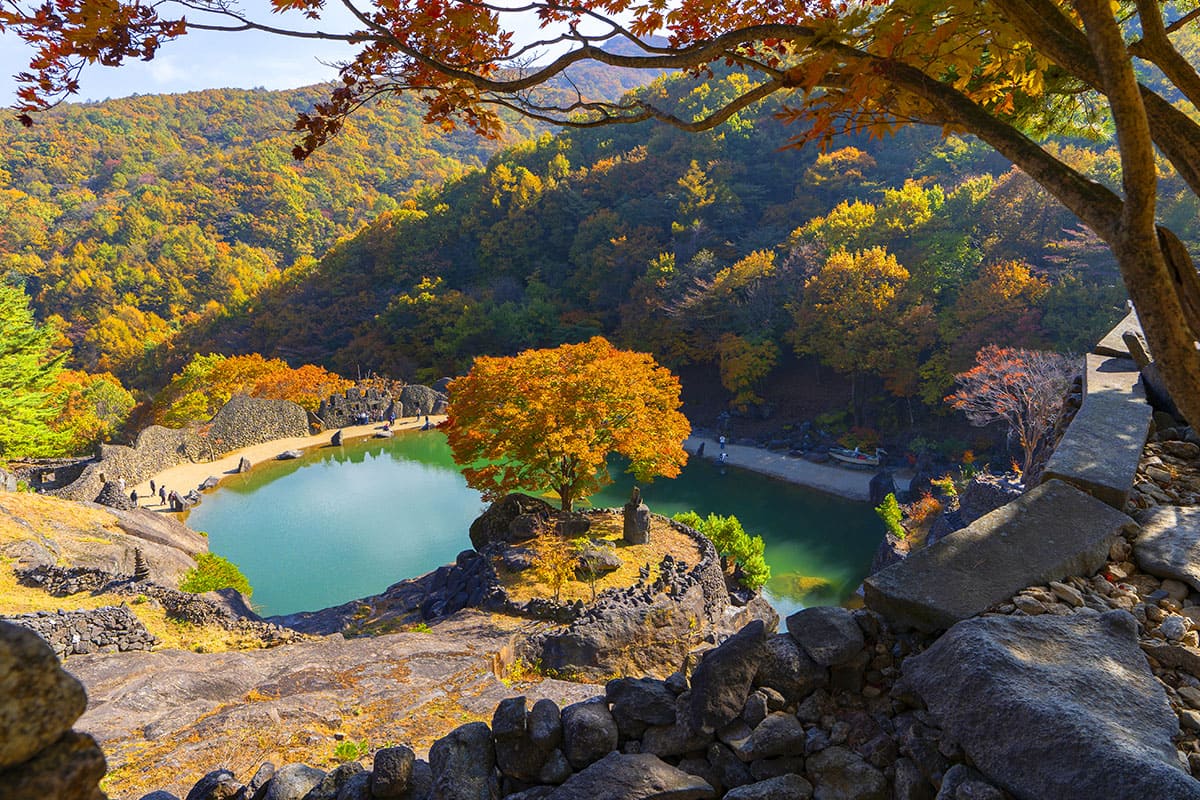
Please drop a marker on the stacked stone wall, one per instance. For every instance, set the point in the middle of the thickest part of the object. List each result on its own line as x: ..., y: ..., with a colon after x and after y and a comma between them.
x: 108, y: 629
x: 242, y: 422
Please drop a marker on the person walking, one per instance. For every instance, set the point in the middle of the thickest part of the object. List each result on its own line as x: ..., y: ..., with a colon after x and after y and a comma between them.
x: 153, y: 490
x: 721, y: 441
x: 162, y: 495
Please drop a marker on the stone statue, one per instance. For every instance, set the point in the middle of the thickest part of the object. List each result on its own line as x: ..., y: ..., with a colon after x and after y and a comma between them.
x: 637, y: 519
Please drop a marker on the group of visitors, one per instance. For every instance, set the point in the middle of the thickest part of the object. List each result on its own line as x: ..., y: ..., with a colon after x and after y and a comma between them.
x: 166, y: 497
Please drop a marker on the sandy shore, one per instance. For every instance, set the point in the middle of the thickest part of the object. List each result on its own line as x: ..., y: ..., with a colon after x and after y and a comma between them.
x: 187, y: 476
x: 850, y: 483
x: 841, y: 481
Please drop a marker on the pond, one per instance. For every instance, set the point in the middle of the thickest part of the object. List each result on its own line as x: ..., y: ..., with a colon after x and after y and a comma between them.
x: 343, y: 523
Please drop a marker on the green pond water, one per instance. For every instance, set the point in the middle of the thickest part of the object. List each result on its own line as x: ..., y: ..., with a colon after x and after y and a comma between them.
x: 343, y: 523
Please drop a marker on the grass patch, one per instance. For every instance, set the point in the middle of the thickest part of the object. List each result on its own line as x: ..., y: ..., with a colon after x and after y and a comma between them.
x: 664, y: 539
x: 214, y: 572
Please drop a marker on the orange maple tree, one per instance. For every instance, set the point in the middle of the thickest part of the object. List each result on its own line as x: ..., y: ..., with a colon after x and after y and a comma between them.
x: 548, y: 420
x: 997, y: 69
x: 1022, y: 388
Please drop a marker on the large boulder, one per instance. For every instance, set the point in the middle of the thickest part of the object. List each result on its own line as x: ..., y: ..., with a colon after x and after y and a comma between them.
x: 1081, y: 713
x: 841, y: 774
x: 392, y: 770
x: 1168, y: 545
x: 113, y: 496
x: 643, y: 776
x: 462, y: 762
x: 496, y: 524
x: 38, y: 699
x: 589, y: 732
x: 418, y: 400
x: 787, y: 669
x: 69, y: 769
x: 985, y: 493
x: 722, y: 680
x: 828, y: 634
x: 293, y: 782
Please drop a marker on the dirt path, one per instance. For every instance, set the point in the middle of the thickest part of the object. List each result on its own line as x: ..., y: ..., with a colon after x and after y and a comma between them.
x: 850, y: 483
x: 185, y: 477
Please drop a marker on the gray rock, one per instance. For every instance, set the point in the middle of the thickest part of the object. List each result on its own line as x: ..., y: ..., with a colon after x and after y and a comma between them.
x: 391, y: 773
x: 1083, y: 715
x: 765, y: 768
x: 545, y: 724
x: 728, y: 768
x: 1100, y: 450
x: 556, y: 769
x: 509, y: 719
x: 331, y: 785
x: 217, y: 785
x: 244, y: 464
x: 1047, y: 534
x: 636, y: 524
x: 256, y: 789
x: 722, y: 680
x: 158, y: 795
x: 293, y: 782
x: 288, y: 455
x: 113, y: 496
x: 909, y: 783
x: 356, y: 787
x: 494, y: 524
x: 641, y: 776
x: 69, y: 769
x: 785, y: 787
x: 462, y: 763
x: 336, y: 439
x: 644, y: 700
x: 38, y: 700
x: 598, y: 561
x: 210, y: 482
x: 666, y: 741
x: 755, y: 710
x: 963, y: 783
x: 589, y: 732
x: 840, y: 774
x: 828, y: 634
x: 1168, y: 545
x: 787, y: 669
x: 778, y: 735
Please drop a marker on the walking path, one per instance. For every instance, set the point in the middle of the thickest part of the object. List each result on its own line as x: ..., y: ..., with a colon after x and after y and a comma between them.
x: 189, y: 475
x: 850, y: 483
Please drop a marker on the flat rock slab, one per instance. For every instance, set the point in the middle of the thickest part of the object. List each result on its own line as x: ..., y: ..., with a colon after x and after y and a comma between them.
x: 1099, y: 452
x: 1055, y: 707
x: 642, y: 776
x: 1046, y: 534
x: 1113, y: 343
x: 1169, y: 544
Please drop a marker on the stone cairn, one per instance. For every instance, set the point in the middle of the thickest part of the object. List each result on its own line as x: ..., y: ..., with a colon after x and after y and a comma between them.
x: 637, y: 519
x: 40, y: 756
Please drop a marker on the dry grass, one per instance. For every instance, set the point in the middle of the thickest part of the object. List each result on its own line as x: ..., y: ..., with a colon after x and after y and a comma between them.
x: 32, y: 516
x: 664, y: 539
x: 173, y: 634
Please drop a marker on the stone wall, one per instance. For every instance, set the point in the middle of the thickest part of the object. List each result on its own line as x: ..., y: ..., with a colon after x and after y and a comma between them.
x: 109, y: 629
x: 241, y: 422
x: 413, y: 400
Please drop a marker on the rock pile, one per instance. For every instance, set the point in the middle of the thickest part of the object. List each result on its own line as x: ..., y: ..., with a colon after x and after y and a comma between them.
x: 224, y: 608
x: 108, y: 629
x: 1169, y: 471
x: 40, y: 756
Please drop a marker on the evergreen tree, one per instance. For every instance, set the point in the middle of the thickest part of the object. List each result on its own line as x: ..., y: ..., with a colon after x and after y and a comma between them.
x: 27, y: 369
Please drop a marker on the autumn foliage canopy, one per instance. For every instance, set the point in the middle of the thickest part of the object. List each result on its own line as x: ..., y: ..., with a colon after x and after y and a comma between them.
x: 547, y: 420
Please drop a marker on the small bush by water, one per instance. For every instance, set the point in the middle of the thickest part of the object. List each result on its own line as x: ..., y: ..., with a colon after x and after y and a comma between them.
x: 214, y: 572
x: 731, y: 539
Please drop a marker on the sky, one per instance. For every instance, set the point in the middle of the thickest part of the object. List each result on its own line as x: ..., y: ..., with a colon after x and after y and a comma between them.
x: 200, y: 60
x: 205, y: 60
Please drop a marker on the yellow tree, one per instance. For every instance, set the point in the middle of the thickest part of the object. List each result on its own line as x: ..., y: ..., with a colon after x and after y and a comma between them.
x: 858, y: 317
x: 549, y: 419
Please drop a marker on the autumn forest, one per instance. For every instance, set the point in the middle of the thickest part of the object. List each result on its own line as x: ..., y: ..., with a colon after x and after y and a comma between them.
x: 171, y: 252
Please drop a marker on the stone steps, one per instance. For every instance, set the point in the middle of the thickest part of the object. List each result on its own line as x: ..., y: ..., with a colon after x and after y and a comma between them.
x: 1046, y: 534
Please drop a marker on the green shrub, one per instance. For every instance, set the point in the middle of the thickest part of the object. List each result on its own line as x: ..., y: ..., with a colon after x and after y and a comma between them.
x: 732, y: 541
x: 889, y: 511
x: 214, y: 572
x: 350, y: 750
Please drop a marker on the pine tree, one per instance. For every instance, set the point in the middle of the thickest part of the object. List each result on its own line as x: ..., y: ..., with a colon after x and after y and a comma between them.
x: 27, y: 369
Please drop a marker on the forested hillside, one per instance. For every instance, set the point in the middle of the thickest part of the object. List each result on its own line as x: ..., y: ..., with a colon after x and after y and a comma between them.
x: 131, y: 218
x: 891, y: 261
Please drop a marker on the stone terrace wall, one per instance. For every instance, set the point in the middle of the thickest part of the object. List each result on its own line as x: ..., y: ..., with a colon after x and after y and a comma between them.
x: 241, y: 422
x: 108, y: 629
